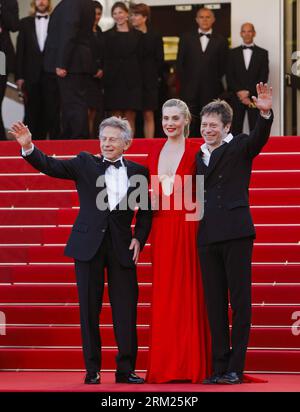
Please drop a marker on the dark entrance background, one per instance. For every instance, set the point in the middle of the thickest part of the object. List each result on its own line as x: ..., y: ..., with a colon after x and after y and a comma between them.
x: 172, y: 21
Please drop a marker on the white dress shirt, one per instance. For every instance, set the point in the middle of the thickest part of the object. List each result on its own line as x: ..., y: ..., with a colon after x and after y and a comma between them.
x: 41, y: 28
x: 117, y: 183
x: 247, y: 55
x: 207, y: 153
x: 204, y: 40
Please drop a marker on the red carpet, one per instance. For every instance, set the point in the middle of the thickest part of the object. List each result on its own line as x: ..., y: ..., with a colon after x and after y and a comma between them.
x: 72, y: 382
x: 37, y: 284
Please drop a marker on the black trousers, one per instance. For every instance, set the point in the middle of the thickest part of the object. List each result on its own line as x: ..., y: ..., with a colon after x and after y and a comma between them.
x: 42, y: 107
x: 239, y: 111
x: 123, y: 295
x: 3, y: 80
x: 226, y: 267
x: 73, y: 89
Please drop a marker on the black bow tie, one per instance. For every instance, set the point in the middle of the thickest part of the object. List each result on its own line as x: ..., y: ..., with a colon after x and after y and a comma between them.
x: 208, y: 35
x: 43, y: 17
x: 116, y: 164
x: 247, y: 47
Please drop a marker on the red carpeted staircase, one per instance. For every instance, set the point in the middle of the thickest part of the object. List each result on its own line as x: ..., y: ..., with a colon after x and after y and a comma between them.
x: 38, y: 296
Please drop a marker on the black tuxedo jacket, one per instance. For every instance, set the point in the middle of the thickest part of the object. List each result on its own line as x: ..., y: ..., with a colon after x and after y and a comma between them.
x: 201, y: 72
x: 226, y: 183
x: 239, y: 78
x: 68, y: 44
x: 91, y: 224
x: 29, y: 56
x: 9, y: 21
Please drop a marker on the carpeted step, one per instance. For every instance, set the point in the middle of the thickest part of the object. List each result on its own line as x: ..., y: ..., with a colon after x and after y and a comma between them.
x: 276, y: 215
x: 38, y: 199
x: 276, y: 234
x: 66, y: 216
x: 58, y: 273
x: 14, y: 217
x: 260, y: 337
x: 277, y: 161
x: 273, y: 197
x: 55, y: 254
x: 61, y: 336
x: 272, y: 272
x: 275, y: 179
x: 34, y: 182
x: 39, y: 273
x: 65, y: 199
x: 275, y: 293
x: 62, y: 314
x: 261, y: 215
x: 51, y: 359
x: 18, y: 314
x: 55, y: 293
x: 59, y: 235
x: 259, y: 179
x: 48, y: 254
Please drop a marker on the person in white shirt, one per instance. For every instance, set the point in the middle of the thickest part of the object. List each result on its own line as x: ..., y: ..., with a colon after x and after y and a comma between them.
x: 39, y: 89
x: 102, y: 238
x: 201, y: 64
x: 248, y: 65
x: 226, y: 232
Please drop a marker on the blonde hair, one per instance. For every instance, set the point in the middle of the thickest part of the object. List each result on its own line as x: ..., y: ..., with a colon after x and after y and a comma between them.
x: 33, y: 8
x: 184, y: 110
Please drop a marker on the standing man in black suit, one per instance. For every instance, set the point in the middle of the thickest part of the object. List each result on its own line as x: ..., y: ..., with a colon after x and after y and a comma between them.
x: 102, y: 238
x: 248, y: 65
x: 9, y: 21
x: 226, y: 233
x: 40, y: 89
x: 68, y: 54
x: 201, y: 64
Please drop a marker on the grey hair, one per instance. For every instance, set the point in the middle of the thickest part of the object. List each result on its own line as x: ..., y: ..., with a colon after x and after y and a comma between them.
x: 184, y: 110
x: 117, y: 123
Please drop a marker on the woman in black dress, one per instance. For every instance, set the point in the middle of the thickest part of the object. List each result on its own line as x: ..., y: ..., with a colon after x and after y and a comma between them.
x: 95, y: 83
x: 122, y: 67
x: 153, y: 57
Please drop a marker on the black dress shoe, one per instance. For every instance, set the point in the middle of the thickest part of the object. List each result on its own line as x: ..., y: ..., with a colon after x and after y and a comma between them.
x: 231, y: 378
x: 128, y: 378
x: 212, y: 380
x: 92, y: 378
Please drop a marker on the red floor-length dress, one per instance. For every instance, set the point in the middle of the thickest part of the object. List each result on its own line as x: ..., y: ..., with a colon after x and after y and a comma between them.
x: 179, y: 332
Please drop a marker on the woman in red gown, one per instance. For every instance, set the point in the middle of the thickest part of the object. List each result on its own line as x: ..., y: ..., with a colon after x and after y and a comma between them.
x: 179, y: 333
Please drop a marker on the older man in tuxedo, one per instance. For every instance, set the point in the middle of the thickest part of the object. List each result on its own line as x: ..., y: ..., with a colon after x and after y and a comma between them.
x: 102, y: 238
x: 201, y: 64
x: 40, y: 89
x: 248, y: 65
x: 68, y: 54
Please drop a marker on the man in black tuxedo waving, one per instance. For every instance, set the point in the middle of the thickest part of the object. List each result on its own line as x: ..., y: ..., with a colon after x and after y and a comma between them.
x: 248, y: 65
x: 101, y: 238
x: 226, y: 233
x: 201, y: 64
